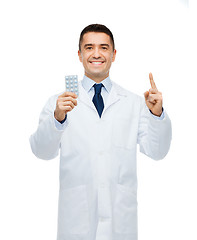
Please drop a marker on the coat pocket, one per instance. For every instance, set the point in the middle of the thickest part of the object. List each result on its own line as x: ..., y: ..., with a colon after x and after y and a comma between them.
x: 73, y: 211
x: 125, y: 211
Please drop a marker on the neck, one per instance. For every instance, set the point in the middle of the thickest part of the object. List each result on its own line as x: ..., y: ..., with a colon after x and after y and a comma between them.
x: 97, y: 79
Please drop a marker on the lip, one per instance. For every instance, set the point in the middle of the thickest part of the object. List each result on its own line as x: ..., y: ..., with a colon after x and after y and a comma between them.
x: 96, y: 63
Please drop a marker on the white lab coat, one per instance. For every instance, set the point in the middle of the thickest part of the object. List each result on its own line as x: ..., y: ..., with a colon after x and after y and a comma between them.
x: 98, y: 182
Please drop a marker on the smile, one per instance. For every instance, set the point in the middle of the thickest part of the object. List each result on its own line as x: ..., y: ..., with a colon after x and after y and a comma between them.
x: 97, y: 62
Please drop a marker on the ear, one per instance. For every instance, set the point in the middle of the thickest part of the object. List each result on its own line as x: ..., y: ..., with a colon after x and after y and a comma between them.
x: 80, y: 56
x: 114, y: 55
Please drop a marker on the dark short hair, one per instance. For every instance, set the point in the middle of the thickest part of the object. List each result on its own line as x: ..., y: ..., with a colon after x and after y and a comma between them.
x: 96, y: 28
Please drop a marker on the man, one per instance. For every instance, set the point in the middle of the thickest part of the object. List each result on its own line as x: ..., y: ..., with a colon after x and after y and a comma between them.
x: 97, y: 134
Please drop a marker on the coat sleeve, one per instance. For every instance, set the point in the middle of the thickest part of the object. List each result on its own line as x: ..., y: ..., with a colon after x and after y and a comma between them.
x: 154, y: 135
x: 45, y: 142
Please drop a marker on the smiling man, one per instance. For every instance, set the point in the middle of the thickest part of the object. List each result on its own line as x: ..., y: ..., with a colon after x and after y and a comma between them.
x: 97, y: 53
x: 97, y: 135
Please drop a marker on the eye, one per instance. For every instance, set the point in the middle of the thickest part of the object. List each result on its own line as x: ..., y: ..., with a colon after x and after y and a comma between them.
x: 88, y: 48
x: 104, y: 48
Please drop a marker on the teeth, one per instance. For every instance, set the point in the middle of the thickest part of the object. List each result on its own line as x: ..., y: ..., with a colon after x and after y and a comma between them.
x: 96, y: 62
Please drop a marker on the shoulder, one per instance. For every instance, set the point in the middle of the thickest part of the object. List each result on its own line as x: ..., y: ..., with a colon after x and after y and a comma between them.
x: 124, y: 92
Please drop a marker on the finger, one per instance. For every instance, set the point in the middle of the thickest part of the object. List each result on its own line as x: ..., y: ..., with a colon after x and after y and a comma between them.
x: 65, y: 99
x: 69, y: 94
x: 146, y: 94
x: 153, y: 91
x: 152, y: 83
x: 66, y: 108
x: 151, y: 100
x: 154, y: 98
x: 68, y: 103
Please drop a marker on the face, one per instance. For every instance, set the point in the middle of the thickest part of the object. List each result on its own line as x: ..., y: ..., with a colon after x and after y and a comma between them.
x: 97, y: 55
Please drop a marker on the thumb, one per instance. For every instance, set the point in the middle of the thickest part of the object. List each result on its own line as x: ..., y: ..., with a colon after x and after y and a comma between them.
x: 146, y: 94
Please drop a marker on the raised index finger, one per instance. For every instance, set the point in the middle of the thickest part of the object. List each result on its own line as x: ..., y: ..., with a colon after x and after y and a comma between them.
x: 152, y: 83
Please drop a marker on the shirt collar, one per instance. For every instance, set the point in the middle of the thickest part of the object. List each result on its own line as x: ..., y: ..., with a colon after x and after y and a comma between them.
x: 88, y: 83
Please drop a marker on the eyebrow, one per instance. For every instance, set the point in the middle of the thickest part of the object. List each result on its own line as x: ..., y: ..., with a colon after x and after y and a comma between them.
x: 90, y: 44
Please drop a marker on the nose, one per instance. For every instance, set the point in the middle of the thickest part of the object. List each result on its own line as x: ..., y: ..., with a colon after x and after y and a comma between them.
x: 96, y: 53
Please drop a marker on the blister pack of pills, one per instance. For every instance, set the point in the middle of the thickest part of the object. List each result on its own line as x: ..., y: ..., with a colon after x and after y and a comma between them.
x: 71, y: 82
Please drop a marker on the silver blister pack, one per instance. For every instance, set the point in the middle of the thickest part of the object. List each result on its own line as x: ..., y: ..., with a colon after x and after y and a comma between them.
x: 71, y: 82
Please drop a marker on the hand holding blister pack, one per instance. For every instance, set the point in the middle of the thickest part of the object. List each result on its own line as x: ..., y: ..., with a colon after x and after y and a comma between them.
x: 71, y: 82
x: 67, y: 100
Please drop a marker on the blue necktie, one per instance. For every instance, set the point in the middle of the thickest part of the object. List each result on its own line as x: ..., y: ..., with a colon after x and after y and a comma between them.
x: 97, y: 99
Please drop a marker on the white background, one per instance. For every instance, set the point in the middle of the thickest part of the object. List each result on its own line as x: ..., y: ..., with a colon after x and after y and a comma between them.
x: 39, y: 43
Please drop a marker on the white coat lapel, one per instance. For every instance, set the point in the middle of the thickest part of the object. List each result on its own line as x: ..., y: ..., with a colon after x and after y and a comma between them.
x: 114, y: 96
x: 84, y: 97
